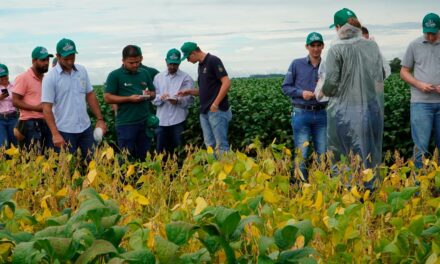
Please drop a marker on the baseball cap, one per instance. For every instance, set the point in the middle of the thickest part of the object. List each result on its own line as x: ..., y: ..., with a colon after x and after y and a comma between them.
x: 40, y: 53
x: 173, y: 57
x: 66, y: 47
x: 3, y: 70
x: 314, y: 37
x: 431, y: 23
x: 341, y: 17
x: 187, y: 48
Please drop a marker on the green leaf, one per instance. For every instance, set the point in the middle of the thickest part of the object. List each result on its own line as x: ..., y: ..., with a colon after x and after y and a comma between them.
x: 6, y: 198
x: 243, y: 222
x: 61, y: 247
x: 227, y: 220
x: 263, y: 259
x: 201, y: 256
x: 211, y: 243
x: 305, y: 228
x: 293, y: 256
x: 83, y: 239
x: 166, y: 251
x: 416, y: 226
x: 109, y: 221
x: 52, y: 231
x: 144, y: 256
x: 26, y: 253
x: 285, y: 237
x: 180, y: 232
x: 99, y: 248
x: 265, y: 243
x: 139, y: 238
x: 381, y: 208
x: 391, y: 248
x: 57, y: 221
x: 114, y: 234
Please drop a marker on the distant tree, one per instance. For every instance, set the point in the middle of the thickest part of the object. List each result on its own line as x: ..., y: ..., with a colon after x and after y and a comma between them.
x: 395, y: 65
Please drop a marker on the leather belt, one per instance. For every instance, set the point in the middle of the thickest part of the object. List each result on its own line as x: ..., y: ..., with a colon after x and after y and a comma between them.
x: 311, y: 107
x: 8, y: 115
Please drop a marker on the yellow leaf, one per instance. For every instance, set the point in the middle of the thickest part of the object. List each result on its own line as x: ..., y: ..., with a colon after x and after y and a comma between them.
x: 340, y: 210
x: 150, y: 242
x: 288, y: 152
x: 62, y: 192
x: 210, y: 150
x: 319, y: 200
x: 269, y: 196
x: 228, y: 168
x: 306, y: 144
x: 326, y: 221
x: 300, y: 241
x: 8, y: 212
x: 92, y: 165
x: 142, y: 200
x: 175, y: 207
x: 104, y: 196
x: 200, y: 205
x: 221, y: 176
x: 367, y: 175
x: 5, y: 248
x: 128, y: 188
x: 355, y: 192
x: 46, y: 213
x: 366, y: 195
x: 130, y: 170
x: 109, y: 153
x: 12, y: 151
x: 91, y: 175
x: 348, y: 199
x: 434, y: 202
x: 262, y: 177
x: 433, y: 259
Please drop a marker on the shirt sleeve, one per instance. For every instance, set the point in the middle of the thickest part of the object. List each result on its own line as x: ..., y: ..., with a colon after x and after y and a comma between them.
x: 157, y: 101
x: 111, y: 84
x: 20, y: 85
x: 408, y: 58
x: 89, y: 87
x: 219, y: 69
x: 187, y: 83
x: 333, y: 65
x: 48, y: 88
x: 288, y: 86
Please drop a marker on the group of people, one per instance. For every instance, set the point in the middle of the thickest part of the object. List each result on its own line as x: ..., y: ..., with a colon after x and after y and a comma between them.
x: 53, y: 104
x: 338, y: 102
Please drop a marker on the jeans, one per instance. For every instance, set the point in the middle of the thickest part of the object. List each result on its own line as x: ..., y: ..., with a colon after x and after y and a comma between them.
x: 309, y: 125
x: 169, y: 137
x: 133, y: 138
x: 425, y: 117
x: 215, y: 129
x: 37, y: 133
x: 84, y: 141
x: 7, y: 125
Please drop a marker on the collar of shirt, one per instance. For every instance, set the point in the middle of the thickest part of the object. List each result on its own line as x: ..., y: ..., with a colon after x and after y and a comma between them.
x: 129, y: 72
x: 60, y: 70
x: 309, y: 61
x: 32, y: 73
x: 178, y: 73
x: 205, y: 59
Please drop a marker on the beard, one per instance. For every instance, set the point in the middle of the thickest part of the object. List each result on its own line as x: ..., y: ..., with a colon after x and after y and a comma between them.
x: 42, y: 69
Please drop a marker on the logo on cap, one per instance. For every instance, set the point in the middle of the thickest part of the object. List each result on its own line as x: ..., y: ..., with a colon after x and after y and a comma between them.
x: 174, y: 56
x: 68, y: 47
x: 315, y: 37
x: 430, y: 24
x: 2, y: 70
x: 43, y: 51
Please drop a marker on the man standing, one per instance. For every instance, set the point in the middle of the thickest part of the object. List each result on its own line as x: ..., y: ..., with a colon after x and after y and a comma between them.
x: 171, y: 109
x: 422, y: 57
x: 309, y: 117
x: 131, y: 88
x: 26, y: 96
x: 214, y: 84
x: 65, y: 95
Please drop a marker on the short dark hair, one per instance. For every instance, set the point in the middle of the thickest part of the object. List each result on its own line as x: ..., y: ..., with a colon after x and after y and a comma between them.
x: 365, y: 30
x: 131, y: 51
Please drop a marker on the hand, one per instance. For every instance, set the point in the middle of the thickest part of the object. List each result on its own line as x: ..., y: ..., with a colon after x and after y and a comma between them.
x: 172, y: 100
x: 213, y: 108
x: 186, y: 92
x: 307, y: 95
x: 152, y: 94
x: 58, y: 140
x: 426, y: 87
x: 164, y: 96
x: 3, y: 96
x: 136, y: 98
x: 437, y: 88
x: 100, y: 123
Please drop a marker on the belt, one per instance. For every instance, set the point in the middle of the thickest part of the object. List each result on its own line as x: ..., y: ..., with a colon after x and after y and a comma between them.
x: 8, y: 115
x: 311, y: 107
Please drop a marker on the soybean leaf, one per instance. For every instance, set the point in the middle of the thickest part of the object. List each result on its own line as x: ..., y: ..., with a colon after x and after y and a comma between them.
x: 144, y: 256
x: 166, y: 251
x: 180, y: 232
x: 243, y: 222
x: 201, y: 256
x: 98, y: 248
x: 227, y: 220
x: 305, y: 228
x: 285, y: 237
x: 139, y: 238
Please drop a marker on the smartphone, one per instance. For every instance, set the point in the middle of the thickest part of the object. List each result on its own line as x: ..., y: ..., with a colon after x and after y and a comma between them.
x: 145, y: 96
x: 5, y: 91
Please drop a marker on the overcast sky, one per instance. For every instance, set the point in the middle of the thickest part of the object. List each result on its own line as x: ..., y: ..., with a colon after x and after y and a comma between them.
x: 251, y: 37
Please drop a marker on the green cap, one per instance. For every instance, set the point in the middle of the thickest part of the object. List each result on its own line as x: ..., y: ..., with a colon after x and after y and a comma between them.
x: 187, y: 48
x: 431, y: 23
x: 66, y: 47
x: 173, y: 57
x: 314, y: 37
x: 3, y: 70
x: 341, y: 17
x: 40, y: 53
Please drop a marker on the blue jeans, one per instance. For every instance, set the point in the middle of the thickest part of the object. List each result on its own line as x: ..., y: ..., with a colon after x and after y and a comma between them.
x: 309, y: 126
x: 7, y: 125
x: 133, y: 138
x: 37, y: 133
x: 84, y: 141
x: 215, y: 129
x: 169, y: 137
x: 425, y: 117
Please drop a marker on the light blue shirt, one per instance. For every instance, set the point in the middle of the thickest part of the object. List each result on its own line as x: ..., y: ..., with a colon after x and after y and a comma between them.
x: 67, y: 92
x: 165, y: 82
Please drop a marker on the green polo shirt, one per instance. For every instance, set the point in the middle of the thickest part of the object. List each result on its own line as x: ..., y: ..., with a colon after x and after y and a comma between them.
x: 124, y: 83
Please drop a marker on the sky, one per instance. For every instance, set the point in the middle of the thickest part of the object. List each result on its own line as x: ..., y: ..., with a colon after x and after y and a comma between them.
x: 250, y: 37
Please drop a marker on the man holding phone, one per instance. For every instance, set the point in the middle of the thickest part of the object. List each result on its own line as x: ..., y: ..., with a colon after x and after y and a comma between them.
x: 421, y: 70
x: 8, y: 113
x: 131, y: 89
x: 26, y: 96
x: 171, y: 109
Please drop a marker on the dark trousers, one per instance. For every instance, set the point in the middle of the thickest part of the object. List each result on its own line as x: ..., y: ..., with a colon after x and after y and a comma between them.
x: 133, y: 138
x: 36, y: 134
x: 84, y: 141
x: 169, y: 137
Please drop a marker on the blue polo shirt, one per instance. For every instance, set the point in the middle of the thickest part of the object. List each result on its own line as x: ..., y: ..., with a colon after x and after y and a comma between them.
x: 67, y: 92
x: 301, y: 76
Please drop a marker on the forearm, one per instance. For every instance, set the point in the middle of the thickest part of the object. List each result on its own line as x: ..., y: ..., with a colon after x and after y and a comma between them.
x: 49, y: 118
x: 224, y: 88
x: 94, y: 105
x: 20, y: 104
x: 407, y: 77
x: 116, y: 99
